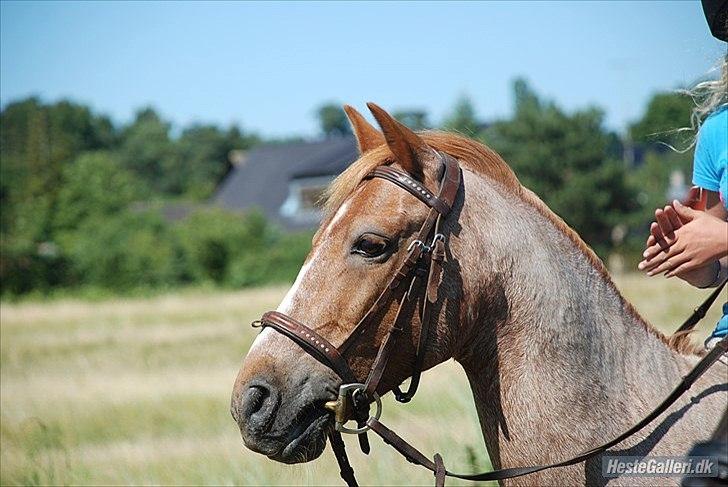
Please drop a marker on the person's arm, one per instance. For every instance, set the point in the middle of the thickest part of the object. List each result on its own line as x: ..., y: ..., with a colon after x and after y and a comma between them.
x: 715, y: 207
x: 692, y: 264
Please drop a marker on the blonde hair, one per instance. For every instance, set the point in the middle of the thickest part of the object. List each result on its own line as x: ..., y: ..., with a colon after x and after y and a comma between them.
x: 708, y: 97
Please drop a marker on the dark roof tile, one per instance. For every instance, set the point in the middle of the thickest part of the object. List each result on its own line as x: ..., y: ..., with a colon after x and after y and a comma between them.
x: 261, y: 181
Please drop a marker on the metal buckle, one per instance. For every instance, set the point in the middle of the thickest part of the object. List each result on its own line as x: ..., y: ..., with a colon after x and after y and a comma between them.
x: 438, y: 236
x: 340, y: 406
x: 426, y: 249
x: 417, y: 243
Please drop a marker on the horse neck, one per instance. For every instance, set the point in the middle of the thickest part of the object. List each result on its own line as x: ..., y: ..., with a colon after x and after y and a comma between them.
x: 553, y: 355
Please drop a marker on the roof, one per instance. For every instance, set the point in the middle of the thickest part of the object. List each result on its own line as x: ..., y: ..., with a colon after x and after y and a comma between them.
x: 262, y: 180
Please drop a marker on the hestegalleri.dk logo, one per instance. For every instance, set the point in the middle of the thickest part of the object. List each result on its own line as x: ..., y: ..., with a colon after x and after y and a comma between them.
x: 624, y: 466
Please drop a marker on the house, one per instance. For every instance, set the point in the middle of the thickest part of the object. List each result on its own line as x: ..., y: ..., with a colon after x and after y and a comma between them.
x: 285, y: 181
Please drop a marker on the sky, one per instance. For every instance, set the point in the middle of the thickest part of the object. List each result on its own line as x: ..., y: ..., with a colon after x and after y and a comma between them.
x: 268, y: 66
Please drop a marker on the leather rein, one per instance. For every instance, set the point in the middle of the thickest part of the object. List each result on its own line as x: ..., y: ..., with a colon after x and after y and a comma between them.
x: 423, y: 263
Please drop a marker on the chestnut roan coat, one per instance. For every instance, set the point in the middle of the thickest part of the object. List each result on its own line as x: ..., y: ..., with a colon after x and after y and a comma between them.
x: 558, y: 361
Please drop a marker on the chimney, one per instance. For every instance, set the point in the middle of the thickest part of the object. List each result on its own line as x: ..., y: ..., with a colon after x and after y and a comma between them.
x: 237, y: 157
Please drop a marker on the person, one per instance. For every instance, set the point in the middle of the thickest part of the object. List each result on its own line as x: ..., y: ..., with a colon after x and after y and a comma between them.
x: 690, y: 241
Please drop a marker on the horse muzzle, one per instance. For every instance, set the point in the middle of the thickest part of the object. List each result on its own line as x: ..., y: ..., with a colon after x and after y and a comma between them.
x: 284, y: 423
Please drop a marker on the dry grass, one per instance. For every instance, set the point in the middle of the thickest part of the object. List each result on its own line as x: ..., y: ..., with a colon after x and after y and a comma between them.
x: 136, y: 392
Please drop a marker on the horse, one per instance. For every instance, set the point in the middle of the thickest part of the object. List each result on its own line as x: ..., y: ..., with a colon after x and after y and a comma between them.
x: 557, y: 359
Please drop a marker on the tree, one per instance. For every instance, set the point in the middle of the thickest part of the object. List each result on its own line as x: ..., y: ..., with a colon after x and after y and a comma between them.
x: 94, y: 186
x: 665, y: 115
x: 414, y: 119
x: 201, y: 158
x: 37, y: 141
x: 131, y: 249
x: 564, y: 158
x: 147, y: 150
x: 332, y: 120
x: 146, y: 147
x: 462, y: 119
x: 663, y: 152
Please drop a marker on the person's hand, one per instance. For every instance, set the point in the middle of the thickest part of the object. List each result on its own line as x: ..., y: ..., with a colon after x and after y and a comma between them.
x: 662, y: 232
x: 667, y: 221
x: 683, y: 240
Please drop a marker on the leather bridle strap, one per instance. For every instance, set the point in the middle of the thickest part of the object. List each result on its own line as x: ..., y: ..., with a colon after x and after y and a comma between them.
x: 345, y: 469
x: 700, y: 311
x: 422, y: 246
x: 440, y: 206
x: 434, y: 276
x: 416, y: 188
x: 316, y: 345
x: 415, y: 456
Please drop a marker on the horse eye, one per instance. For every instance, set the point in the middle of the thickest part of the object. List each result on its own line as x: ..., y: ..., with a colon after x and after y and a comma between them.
x: 370, y: 245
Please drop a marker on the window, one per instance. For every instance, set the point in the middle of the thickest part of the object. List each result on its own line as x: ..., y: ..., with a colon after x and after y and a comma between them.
x: 304, y: 197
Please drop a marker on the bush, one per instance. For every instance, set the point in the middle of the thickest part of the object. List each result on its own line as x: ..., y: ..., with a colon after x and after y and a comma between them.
x: 95, y: 185
x: 26, y: 266
x: 127, y: 251
x: 279, y: 263
x: 211, y: 239
x: 239, y: 250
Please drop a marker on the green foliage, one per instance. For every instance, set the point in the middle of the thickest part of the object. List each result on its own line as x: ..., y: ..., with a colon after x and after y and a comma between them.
x: 129, y: 250
x: 563, y: 158
x: 27, y: 266
x: 147, y: 149
x: 212, y: 239
x: 201, y: 159
x: 463, y: 118
x: 95, y: 230
x: 278, y: 263
x: 332, y: 120
x: 78, y: 194
x: 36, y: 141
x: 414, y: 119
x: 665, y: 114
x: 71, y: 185
x: 229, y: 249
x: 94, y: 186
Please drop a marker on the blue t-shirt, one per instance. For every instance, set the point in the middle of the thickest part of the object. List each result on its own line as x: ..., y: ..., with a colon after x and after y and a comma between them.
x: 710, y: 166
x: 710, y: 171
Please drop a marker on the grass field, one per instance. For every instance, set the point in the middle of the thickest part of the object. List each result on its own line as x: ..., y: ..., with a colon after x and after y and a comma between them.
x: 137, y: 392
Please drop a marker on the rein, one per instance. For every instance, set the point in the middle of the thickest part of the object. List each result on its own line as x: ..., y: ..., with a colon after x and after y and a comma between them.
x: 425, y: 256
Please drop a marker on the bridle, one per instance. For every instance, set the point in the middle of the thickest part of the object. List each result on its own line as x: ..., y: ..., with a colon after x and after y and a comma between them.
x: 423, y: 263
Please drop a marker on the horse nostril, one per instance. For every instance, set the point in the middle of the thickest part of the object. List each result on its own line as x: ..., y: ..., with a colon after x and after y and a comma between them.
x: 255, y: 397
x: 260, y: 402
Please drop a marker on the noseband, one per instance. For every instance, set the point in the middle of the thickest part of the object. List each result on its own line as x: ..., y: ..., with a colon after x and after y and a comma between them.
x: 425, y: 256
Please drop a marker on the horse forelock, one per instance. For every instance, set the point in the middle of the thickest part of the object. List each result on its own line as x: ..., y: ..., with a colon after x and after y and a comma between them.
x: 484, y: 161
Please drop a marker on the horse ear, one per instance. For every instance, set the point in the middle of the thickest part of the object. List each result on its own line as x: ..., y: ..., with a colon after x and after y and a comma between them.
x: 367, y: 137
x: 408, y: 148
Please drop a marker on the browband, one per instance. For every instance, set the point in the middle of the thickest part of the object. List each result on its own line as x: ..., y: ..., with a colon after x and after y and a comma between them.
x: 448, y: 185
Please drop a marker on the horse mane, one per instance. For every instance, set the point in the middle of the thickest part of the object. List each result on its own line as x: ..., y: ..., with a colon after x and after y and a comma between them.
x: 484, y: 161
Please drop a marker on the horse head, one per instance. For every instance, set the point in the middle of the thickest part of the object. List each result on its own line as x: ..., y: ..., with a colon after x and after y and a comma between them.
x: 371, y: 230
